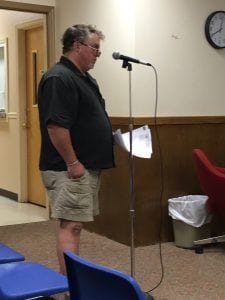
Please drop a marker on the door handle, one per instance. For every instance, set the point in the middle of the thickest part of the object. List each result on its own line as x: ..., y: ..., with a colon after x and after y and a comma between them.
x: 25, y: 125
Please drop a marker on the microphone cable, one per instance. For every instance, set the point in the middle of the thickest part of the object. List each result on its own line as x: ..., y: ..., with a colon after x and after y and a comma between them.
x: 155, y: 125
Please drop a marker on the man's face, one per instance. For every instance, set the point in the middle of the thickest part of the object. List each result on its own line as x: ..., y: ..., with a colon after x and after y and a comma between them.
x: 90, y: 50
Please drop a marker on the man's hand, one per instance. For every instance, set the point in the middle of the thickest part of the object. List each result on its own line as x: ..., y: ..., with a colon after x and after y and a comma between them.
x: 75, y: 171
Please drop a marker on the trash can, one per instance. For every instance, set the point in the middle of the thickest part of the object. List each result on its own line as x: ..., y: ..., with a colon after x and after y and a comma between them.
x: 191, y: 220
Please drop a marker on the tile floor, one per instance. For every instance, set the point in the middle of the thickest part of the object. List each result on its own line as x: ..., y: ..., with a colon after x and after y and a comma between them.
x: 12, y: 212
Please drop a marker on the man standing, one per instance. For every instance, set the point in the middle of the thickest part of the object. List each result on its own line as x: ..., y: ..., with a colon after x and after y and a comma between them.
x: 76, y: 134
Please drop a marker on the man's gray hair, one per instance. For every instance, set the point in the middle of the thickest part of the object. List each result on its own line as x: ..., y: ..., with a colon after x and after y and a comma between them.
x: 79, y: 33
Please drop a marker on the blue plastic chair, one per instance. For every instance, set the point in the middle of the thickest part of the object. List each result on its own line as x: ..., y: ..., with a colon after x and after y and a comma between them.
x: 88, y: 280
x: 7, y: 254
x: 24, y: 280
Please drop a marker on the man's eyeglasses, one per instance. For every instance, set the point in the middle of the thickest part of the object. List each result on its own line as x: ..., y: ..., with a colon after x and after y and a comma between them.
x: 96, y: 50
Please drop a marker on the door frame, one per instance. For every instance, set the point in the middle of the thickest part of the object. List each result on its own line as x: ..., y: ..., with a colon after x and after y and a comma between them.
x: 49, y: 26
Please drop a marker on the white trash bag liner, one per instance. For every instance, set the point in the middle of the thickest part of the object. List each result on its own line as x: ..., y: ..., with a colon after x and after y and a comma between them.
x: 190, y: 209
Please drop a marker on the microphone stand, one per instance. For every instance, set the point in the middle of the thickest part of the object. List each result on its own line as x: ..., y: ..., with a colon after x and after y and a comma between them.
x: 128, y: 65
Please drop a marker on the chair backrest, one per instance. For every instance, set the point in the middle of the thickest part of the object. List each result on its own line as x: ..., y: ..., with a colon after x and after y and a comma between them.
x: 212, y: 182
x: 88, y: 280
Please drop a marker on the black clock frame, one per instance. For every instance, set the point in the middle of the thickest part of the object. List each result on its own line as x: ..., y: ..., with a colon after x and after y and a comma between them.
x: 207, y: 26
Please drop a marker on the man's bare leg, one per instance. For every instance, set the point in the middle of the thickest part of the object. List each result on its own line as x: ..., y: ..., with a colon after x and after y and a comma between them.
x: 68, y: 238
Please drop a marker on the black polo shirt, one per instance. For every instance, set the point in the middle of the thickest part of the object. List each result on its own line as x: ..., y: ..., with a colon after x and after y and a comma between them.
x: 70, y: 99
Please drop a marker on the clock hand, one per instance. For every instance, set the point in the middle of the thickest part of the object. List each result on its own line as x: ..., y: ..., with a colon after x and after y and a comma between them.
x: 217, y: 31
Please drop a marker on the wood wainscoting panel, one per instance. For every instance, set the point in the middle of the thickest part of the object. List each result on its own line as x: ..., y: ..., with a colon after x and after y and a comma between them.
x: 169, y: 173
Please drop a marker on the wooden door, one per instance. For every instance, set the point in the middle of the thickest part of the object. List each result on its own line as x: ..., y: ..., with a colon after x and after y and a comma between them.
x: 34, y: 47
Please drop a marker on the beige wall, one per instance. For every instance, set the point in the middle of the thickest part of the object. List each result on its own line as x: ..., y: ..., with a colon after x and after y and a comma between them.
x: 191, y: 73
x: 168, y: 34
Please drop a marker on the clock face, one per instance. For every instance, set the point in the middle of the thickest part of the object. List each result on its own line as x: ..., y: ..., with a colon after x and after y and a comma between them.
x: 215, y: 29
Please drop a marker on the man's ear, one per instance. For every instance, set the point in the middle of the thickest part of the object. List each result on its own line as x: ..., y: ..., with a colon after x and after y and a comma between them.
x: 76, y: 45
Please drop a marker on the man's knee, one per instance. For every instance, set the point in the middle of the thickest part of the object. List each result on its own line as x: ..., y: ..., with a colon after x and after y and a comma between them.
x: 73, y: 226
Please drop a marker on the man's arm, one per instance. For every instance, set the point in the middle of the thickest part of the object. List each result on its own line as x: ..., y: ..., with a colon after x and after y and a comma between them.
x: 60, y: 138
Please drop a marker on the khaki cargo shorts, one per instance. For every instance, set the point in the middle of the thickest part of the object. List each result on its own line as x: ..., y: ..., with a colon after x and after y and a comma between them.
x: 72, y: 199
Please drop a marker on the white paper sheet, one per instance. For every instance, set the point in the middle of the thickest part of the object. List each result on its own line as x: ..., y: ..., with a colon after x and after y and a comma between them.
x: 141, y: 141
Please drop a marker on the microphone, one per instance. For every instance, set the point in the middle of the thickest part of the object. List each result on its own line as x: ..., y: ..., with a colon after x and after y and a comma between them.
x: 117, y: 55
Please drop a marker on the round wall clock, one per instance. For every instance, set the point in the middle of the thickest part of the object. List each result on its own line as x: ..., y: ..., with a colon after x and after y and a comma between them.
x: 215, y: 29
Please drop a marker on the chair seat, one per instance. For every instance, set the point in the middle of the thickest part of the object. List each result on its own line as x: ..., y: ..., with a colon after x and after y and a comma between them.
x: 22, y: 280
x: 8, y: 254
